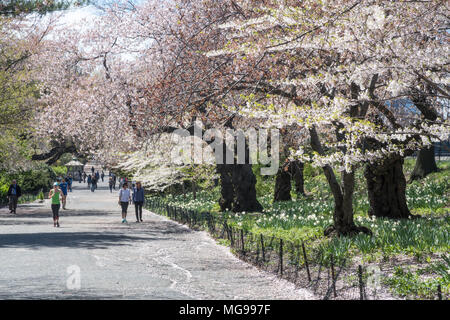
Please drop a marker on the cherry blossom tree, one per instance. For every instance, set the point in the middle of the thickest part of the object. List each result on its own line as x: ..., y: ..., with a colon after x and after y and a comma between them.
x: 333, y: 69
x: 340, y: 65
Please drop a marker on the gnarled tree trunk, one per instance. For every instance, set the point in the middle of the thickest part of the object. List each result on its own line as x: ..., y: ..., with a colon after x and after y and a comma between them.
x: 386, y: 188
x: 297, y: 174
x: 425, y: 164
x: 283, y: 185
x: 238, y: 188
x: 226, y: 190
x: 244, y: 182
x: 343, y: 224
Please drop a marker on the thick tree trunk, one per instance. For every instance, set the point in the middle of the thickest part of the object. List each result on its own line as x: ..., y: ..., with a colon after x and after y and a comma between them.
x: 183, y: 188
x: 238, y: 188
x: 297, y: 174
x: 283, y: 185
x: 386, y: 187
x: 226, y: 184
x: 194, y: 189
x: 425, y: 164
x: 244, y: 183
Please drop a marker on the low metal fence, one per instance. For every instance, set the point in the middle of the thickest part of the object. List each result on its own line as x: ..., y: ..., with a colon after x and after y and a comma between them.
x: 298, y: 262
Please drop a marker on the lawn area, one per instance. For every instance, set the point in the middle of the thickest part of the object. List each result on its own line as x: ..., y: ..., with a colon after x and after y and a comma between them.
x: 415, y: 250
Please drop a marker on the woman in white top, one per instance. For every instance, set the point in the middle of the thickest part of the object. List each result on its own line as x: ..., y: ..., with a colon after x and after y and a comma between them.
x: 124, y: 200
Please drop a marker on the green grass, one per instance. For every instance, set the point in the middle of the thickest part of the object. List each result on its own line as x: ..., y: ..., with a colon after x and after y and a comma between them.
x: 421, y: 283
x: 305, y: 218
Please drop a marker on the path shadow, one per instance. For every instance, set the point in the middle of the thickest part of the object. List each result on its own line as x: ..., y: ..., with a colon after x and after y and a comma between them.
x: 62, y: 213
x: 83, y: 240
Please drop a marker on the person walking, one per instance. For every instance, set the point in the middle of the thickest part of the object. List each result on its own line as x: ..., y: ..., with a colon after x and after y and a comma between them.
x: 69, y: 182
x: 93, y: 183
x: 111, y: 183
x: 102, y: 175
x: 84, y: 177
x: 89, y: 180
x: 55, y: 194
x: 63, y: 186
x: 124, y: 200
x: 114, y: 181
x: 14, y: 193
x: 93, y: 170
x: 138, y: 200
x: 80, y: 176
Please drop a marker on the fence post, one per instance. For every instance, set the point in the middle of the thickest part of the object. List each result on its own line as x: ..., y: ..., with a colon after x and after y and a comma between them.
x: 281, y: 257
x: 306, y: 262
x: 231, y: 236
x: 257, y: 251
x: 262, y: 248
x: 242, y: 242
x: 361, y: 284
x: 298, y: 261
x: 439, y: 292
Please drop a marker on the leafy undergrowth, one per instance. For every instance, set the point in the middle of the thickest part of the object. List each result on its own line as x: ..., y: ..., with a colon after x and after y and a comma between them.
x: 305, y: 218
x: 422, y: 283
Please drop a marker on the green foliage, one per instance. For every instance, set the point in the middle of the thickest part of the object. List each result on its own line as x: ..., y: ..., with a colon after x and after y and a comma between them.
x: 17, y: 94
x: 65, y: 158
x: 264, y: 184
x: 18, y: 7
x: 418, y: 284
x: 31, y: 181
x: 59, y: 171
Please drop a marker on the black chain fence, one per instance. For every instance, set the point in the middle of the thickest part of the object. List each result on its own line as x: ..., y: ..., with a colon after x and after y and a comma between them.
x: 299, y: 262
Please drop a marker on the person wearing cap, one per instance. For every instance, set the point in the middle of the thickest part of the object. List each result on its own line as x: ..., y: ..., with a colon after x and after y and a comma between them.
x: 55, y: 194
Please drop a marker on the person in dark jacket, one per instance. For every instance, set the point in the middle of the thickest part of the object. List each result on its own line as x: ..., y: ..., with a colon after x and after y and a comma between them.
x: 14, y: 192
x: 94, y: 183
x: 138, y: 200
x: 111, y: 183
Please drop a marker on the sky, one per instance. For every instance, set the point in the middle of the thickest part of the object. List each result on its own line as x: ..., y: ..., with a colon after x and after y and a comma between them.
x: 75, y: 16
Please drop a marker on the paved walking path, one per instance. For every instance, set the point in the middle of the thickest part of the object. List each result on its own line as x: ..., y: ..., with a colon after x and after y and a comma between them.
x: 157, y: 259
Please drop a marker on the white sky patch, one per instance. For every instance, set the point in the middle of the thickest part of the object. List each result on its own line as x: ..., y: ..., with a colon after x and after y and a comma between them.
x: 76, y: 16
x: 81, y: 18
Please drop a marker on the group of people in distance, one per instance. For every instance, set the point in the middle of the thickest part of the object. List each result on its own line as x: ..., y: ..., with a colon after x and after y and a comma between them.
x: 58, y: 195
x: 93, y: 179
